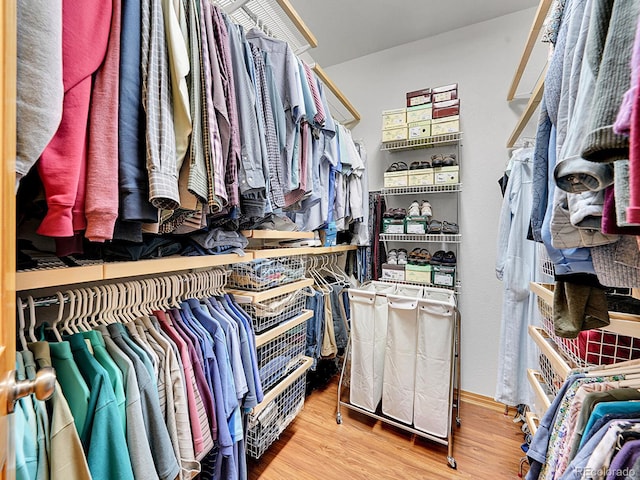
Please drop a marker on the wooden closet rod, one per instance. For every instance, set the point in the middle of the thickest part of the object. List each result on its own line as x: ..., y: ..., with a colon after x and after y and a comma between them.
x: 336, y: 91
x: 543, y: 8
x: 533, y: 103
x: 287, y: 8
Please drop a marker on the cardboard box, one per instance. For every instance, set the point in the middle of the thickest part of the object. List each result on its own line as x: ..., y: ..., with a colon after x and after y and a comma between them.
x: 444, y: 126
x: 444, y: 275
x: 396, y: 179
x: 393, y: 225
x: 420, y: 130
x: 420, y: 177
x: 446, y: 175
x: 393, y: 272
x: 394, y: 134
x: 394, y: 118
x: 446, y: 109
x: 445, y: 93
x: 418, y: 97
x: 419, y: 113
x: 418, y: 273
x: 416, y: 225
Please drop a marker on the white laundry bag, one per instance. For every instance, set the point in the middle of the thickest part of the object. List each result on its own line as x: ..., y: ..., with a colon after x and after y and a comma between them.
x: 400, y: 358
x: 368, y: 306
x: 434, y: 357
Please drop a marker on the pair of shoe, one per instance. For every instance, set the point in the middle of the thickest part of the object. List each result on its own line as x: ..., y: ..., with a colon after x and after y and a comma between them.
x: 443, y: 258
x: 446, y: 160
x: 437, y: 227
x: 419, y: 256
x: 416, y: 209
x: 397, y: 167
x: 397, y: 213
x: 420, y: 165
x: 397, y: 257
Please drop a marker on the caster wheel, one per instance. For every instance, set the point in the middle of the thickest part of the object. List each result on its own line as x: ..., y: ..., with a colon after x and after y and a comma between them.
x: 458, y: 422
x: 452, y: 462
x: 339, y: 418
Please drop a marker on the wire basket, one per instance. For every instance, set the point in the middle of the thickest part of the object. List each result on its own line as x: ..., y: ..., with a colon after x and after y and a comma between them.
x: 591, y: 347
x: 276, y: 310
x: 546, y: 267
x: 265, y: 428
x: 279, y: 356
x: 552, y: 380
x: 265, y: 273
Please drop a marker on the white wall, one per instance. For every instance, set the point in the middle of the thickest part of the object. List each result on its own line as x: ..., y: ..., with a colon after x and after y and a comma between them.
x: 482, y: 59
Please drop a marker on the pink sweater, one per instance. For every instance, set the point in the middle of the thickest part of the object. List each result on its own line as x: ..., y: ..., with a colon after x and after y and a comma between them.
x: 85, y: 32
x: 633, y: 211
x: 101, y: 207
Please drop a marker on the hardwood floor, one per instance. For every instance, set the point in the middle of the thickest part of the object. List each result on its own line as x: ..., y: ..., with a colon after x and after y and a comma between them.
x: 486, y: 447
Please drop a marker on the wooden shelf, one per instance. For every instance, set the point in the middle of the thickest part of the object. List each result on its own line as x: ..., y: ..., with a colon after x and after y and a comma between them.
x: 287, y: 252
x: 557, y: 360
x: 280, y: 387
x: 169, y: 264
x: 246, y: 296
x: 275, y: 235
x: 283, y: 327
x: 536, y: 381
x: 541, y: 13
x: 30, y: 280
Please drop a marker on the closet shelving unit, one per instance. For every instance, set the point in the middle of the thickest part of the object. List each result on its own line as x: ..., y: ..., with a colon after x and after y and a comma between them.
x: 451, y: 139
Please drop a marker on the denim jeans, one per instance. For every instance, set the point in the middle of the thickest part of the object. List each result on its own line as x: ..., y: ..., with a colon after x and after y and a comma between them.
x: 315, y: 327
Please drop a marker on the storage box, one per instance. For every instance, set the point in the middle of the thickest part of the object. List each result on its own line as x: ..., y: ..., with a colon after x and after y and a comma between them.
x: 328, y: 236
x: 416, y: 225
x: 393, y: 225
x: 418, y: 273
x: 446, y: 175
x: 394, y: 134
x: 420, y: 177
x: 419, y: 113
x: 419, y: 97
x: 396, y: 179
x: 420, y: 130
x: 393, y: 272
x: 446, y: 109
x: 394, y: 118
x: 444, y: 275
x: 444, y: 93
x: 443, y: 126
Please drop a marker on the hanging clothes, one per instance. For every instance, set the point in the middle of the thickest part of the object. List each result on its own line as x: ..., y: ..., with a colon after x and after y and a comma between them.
x: 515, y: 266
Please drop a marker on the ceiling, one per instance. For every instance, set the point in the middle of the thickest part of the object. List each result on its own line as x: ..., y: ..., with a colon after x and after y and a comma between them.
x: 348, y: 29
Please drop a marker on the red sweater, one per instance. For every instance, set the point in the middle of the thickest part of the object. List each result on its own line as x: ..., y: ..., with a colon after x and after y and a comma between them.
x: 85, y: 33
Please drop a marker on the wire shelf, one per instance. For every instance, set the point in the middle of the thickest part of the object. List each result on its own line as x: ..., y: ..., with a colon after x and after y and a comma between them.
x: 411, y: 237
x: 281, y: 355
x: 276, y: 310
x: 265, y: 273
x: 264, y: 428
x: 400, y: 145
x: 453, y: 187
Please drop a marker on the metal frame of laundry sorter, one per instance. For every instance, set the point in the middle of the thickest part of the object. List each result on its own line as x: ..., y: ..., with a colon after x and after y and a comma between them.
x: 454, y: 392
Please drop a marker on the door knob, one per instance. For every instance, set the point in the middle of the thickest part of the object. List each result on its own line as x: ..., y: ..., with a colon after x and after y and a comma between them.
x: 12, y: 390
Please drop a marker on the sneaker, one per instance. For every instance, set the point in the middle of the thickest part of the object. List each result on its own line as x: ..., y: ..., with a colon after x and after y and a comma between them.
x: 425, y: 209
x: 392, y: 257
x: 402, y: 256
x: 414, y: 209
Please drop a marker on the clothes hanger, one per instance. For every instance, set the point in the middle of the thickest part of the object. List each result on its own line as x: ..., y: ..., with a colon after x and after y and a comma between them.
x: 54, y: 327
x: 80, y: 310
x: 92, y: 321
x: 66, y: 327
x: 21, y: 326
x: 32, y: 319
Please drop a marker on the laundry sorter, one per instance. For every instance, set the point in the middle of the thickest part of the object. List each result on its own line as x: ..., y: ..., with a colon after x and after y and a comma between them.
x: 402, y: 363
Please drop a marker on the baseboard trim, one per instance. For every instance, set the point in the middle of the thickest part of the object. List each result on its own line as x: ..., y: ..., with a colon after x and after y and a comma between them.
x: 482, y: 401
